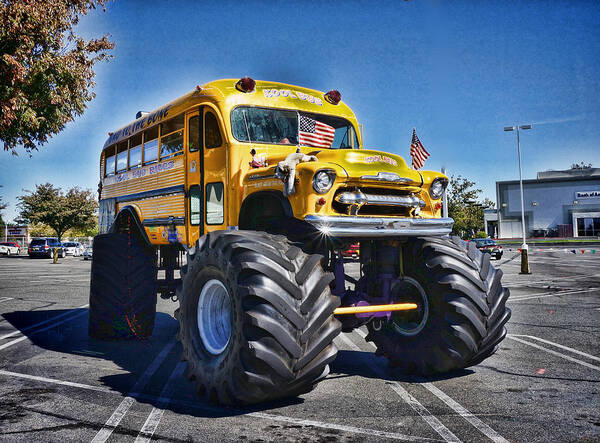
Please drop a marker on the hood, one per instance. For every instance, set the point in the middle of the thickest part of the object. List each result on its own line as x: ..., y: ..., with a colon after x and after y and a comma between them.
x: 376, y: 165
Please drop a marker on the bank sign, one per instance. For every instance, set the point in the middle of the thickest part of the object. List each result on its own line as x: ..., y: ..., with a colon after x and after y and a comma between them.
x: 587, y: 194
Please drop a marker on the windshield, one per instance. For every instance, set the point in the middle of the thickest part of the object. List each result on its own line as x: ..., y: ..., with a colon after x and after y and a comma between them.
x: 69, y: 245
x: 485, y: 242
x: 38, y: 242
x: 279, y: 126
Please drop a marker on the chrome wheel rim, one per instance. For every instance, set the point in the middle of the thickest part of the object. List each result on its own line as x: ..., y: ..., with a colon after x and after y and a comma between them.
x: 214, y: 316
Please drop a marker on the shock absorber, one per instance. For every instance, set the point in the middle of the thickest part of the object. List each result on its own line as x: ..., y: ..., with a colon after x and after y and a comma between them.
x: 387, y: 268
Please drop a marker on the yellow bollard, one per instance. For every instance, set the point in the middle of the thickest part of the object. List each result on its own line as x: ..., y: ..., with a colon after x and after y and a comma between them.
x: 55, y: 256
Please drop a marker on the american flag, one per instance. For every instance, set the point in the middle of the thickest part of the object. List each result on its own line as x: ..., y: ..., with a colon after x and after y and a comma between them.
x: 417, y: 152
x: 314, y: 133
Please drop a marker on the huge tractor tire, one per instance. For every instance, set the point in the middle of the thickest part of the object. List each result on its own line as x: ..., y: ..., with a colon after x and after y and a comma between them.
x: 256, y: 318
x: 462, y: 313
x: 123, y: 288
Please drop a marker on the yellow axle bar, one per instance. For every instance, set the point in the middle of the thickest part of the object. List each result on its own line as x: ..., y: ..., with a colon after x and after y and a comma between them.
x: 375, y: 308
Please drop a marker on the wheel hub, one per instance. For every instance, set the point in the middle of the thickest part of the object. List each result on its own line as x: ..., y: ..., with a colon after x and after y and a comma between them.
x: 214, y: 316
x: 410, y: 323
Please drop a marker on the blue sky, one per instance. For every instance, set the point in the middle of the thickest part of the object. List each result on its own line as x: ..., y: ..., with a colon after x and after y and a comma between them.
x: 457, y: 71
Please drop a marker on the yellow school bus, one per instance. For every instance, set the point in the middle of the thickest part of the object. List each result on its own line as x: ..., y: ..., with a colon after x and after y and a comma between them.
x: 250, y: 190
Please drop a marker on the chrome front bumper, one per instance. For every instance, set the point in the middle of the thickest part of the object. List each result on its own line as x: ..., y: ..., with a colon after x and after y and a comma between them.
x: 340, y: 226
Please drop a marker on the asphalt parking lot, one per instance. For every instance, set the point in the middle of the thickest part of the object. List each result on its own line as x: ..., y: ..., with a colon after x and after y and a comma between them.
x: 57, y: 384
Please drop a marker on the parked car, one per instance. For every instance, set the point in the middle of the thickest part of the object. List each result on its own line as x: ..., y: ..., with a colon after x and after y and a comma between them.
x: 73, y: 248
x: 11, y: 247
x: 489, y: 246
x: 353, y: 251
x: 88, y: 253
x: 44, y: 247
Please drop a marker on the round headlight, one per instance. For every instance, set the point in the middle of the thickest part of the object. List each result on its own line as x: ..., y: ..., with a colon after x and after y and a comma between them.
x: 437, y: 188
x: 323, y: 180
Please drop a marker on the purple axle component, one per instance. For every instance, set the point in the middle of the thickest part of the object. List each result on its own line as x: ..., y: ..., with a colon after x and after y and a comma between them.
x: 360, y: 296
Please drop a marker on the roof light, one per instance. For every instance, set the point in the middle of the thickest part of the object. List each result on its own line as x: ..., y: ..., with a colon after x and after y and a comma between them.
x: 245, y: 84
x: 333, y: 97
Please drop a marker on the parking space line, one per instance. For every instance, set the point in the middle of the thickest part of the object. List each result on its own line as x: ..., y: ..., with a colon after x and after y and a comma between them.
x: 54, y: 381
x: 457, y: 407
x: 37, y: 331
x: 344, y: 428
x: 551, y: 294
x: 558, y: 354
x: 153, y: 420
x: 520, y: 282
x: 429, y: 418
x: 566, y: 348
x: 2, y: 299
x: 126, y: 403
x: 464, y: 413
x: 204, y: 407
x: 12, y: 334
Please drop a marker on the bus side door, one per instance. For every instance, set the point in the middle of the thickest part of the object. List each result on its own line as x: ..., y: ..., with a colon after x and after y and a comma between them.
x: 194, y: 175
x: 214, y: 173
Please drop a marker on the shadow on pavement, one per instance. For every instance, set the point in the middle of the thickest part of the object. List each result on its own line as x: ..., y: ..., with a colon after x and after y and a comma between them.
x: 133, y: 356
x: 368, y: 365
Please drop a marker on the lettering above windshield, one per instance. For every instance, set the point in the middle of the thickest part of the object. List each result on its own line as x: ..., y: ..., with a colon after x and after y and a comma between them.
x: 270, y: 93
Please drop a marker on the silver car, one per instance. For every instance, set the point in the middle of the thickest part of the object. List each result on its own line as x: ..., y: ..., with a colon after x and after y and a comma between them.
x: 87, y: 254
x: 73, y: 248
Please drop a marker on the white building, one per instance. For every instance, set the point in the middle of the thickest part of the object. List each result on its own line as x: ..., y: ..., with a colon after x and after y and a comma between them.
x: 557, y: 203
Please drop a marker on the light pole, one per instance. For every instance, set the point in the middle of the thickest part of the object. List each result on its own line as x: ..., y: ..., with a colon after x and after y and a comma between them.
x: 524, y: 258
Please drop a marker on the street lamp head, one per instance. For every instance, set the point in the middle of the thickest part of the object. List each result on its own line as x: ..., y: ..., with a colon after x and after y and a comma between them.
x: 509, y: 128
x: 525, y: 127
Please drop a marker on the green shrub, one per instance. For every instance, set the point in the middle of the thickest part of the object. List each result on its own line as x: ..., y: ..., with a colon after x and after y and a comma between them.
x: 481, y: 234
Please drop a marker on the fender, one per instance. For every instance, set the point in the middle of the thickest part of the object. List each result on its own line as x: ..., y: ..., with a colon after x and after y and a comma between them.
x: 264, y: 196
x: 121, y: 221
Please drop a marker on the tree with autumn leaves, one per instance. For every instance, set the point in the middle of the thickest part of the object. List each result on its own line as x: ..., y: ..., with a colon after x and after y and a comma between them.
x: 46, y: 70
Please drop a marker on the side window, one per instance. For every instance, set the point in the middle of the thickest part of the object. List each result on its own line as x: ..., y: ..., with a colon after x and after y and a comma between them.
x: 122, y: 156
x: 110, y: 161
x: 151, y: 145
x: 212, y: 135
x: 214, y: 204
x: 195, y: 205
x: 171, y: 137
x: 194, y: 134
x: 135, y: 151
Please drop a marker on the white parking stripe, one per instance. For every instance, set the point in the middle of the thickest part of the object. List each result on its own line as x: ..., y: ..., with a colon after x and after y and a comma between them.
x: 457, y: 407
x: 204, y: 407
x: 37, y: 331
x: 431, y: 419
x: 124, y: 406
x: 344, y: 428
x: 5, y: 299
x: 566, y: 348
x: 509, y: 283
x: 464, y: 413
x: 151, y: 423
x: 551, y: 294
x: 558, y: 354
x: 54, y: 381
x: 12, y: 334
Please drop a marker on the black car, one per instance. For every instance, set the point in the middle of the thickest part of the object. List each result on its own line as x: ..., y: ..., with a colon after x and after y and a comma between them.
x: 488, y: 246
x: 44, y: 247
